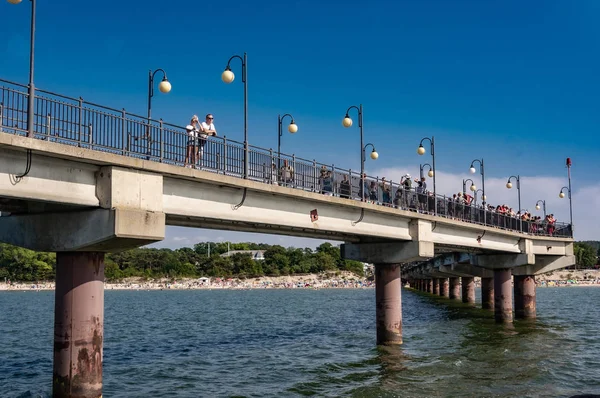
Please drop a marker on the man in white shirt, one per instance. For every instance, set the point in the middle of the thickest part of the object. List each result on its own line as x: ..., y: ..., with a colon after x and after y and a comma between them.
x: 206, y: 128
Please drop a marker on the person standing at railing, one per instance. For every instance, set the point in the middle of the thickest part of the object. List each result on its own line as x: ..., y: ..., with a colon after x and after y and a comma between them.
x: 272, y: 178
x: 207, y: 128
x: 551, y: 224
x: 286, y: 173
x: 193, y: 130
x: 325, y: 181
x: 406, y: 183
x: 385, y: 192
x: 345, y: 187
x: 421, y: 193
x: 363, y: 186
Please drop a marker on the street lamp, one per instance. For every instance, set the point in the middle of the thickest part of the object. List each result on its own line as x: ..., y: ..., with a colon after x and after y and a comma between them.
x: 483, y: 197
x: 562, y: 194
x: 31, y: 91
x: 421, y: 151
x: 227, y: 76
x: 164, y: 87
x: 537, y: 206
x: 347, y: 122
x: 509, y: 186
x: 292, y: 128
x: 473, y: 187
x: 422, y: 166
x: 482, y: 172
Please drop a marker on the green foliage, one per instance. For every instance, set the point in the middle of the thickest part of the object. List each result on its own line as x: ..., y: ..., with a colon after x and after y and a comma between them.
x: 585, y: 255
x: 19, y: 264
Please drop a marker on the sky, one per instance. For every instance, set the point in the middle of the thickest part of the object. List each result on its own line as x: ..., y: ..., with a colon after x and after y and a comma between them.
x: 515, y: 83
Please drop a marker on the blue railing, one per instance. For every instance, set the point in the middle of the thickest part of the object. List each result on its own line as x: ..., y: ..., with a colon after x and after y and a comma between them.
x: 73, y: 121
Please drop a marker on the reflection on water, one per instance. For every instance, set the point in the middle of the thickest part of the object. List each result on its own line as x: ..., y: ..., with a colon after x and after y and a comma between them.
x: 312, y: 343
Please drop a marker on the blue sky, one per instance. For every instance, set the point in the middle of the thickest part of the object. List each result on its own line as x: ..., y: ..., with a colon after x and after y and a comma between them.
x: 514, y: 82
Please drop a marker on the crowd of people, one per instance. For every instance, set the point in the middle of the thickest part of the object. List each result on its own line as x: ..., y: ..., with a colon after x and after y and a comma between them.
x: 410, y: 194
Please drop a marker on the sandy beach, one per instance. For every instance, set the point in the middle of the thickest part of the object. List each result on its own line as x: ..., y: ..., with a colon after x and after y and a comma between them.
x: 344, y: 280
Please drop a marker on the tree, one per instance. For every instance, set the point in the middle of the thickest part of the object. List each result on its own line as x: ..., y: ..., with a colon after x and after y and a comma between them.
x: 585, y: 255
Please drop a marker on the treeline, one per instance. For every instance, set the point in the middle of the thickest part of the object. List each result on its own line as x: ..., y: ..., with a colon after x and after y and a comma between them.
x: 204, y: 259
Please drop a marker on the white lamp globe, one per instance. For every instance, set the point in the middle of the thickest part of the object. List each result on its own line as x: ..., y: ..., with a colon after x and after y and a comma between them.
x: 421, y: 150
x: 14, y: 1
x: 509, y: 185
x: 561, y: 195
x: 164, y: 86
x: 347, y: 122
x: 374, y: 155
x: 484, y: 198
x: 430, y: 174
x: 227, y: 76
x: 473, y: 188
x: 472, y: 170
x: 293, y: 128
x: 537, y: 207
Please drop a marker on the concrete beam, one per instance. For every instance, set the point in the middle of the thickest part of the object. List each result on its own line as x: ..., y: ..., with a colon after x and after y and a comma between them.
x: 387, y: 253
x: 117, y: 187
x: 503, y: 261
x: 88, y: 230
x: 544, y: 264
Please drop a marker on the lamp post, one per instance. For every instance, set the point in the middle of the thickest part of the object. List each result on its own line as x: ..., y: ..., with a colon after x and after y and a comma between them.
x: 292, y: 128
x: 227, y: 76
x: 421, y: 151
x: 562, y: 194
x: 537, y: 206
x: 164, y: 87
x: 509, y: 186
x: 473, y: 187
x: 347, y: 122
x: 31, y: 90
x: 482, y: 172
x: 483, y: 198
x: 422, y: 167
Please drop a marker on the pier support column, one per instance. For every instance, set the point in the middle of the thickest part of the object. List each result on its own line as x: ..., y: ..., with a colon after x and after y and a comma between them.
x: 502, y: 296
x: 468, y: 290
x: 388, y: 303
x: 78, y: 325
x: 454, y: 289
x: 445, y: 288
x: 436, y: 286
x: 430, y: 286
x: 524, y: 288
x: 487, y: 293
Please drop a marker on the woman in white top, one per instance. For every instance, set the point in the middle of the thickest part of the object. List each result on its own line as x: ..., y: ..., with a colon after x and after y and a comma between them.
x: 193, y: 130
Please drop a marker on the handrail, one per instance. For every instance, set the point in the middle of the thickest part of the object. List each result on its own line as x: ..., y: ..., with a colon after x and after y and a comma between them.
x: 97, y: 127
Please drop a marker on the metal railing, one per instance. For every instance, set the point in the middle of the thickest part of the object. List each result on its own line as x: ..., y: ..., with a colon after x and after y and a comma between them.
x: 73, y: 121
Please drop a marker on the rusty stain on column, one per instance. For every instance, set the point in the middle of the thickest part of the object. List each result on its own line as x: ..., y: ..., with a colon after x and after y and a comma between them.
x: 436, y: 286
x: 78, y: 325
x: 468, y: 290
x: 487, y: 293
x: 454, y: 289
x: 388, y: 299
x: 429, y: 285
x: 445, y: 288
x: 524, y: 288
x: 502, y: 296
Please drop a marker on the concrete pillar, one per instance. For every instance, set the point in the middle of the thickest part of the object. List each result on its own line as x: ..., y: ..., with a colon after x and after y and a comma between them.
x: 429, y: 285
x: 468, y: 290
x: 454, y: 289
x: 78, y: 325
x: 502, y: 296
x: 524, y: 288
x: 388, y: 299
x: 436, y: 286
x: 487, y: 293
x: 445, y: 288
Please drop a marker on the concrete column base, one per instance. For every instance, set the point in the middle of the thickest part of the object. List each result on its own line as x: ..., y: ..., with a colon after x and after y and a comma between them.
x: 78, y: 325
x: 388, y: 299
x: 487, y: 293
x: 524, y: 288
x: 503, y: 296
x: 454, y: 289
x: 436, y: 286
x: 445, y: 288
x: 468, y: 290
